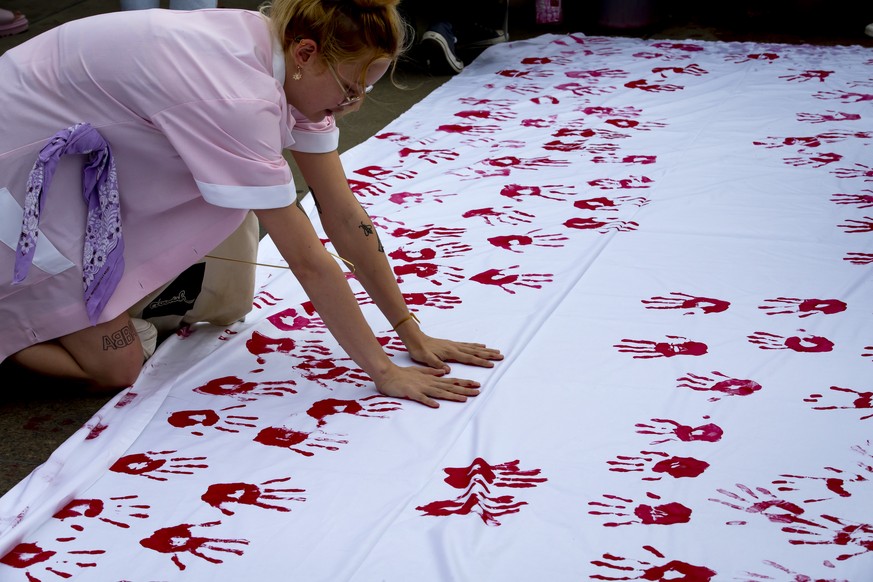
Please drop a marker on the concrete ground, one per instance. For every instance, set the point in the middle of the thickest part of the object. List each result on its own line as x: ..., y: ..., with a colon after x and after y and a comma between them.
x: 35, y: 418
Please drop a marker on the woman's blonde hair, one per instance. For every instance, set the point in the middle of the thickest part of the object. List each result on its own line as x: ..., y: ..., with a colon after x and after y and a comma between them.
x: 345, y: 30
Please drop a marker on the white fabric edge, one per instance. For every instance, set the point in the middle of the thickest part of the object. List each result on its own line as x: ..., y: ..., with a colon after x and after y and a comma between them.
x: 248, y: 197
x: 46, y: 257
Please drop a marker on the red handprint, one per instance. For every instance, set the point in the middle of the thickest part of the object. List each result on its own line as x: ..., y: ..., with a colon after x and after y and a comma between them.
x: 368, y: 407
x: 552, y: 192
x: 407, y: 199
x: 844, y: 96
x: 859, y: 171
x: 290, y: 320
x: 810, y: 343
x: 864, y: 401
x: 597, y: 74
x: 264, y: 299
x: 514, y: 241
x: 693, y: 69
x: 505, y: 215
x: 813, y: 159
x: 761, y: 501
x: 645, y: 349
x: 580, y: 90
x: 838, y: 480
x: 476, y: 480
x: 147, y: 464
x: 94, y: 508
x: 609, y: 204
x: 859, y: 258
x: 499, y: 278
x: 325, y: 371
x: 428, y: 155
x: 664, y: 514
x: 502, y: 114
x: 675, y: 570
x: 287, y: 438
x: 629, y: 159
x: 605, y: 112
x: 710, y: 433
x: 827, y: 117
x: 692, y: 304
x: 179, y: 539
x: 601, y: 225
x: 623, y: 184
x: 727, y: 387
x: 468, y: 129
x: 839, y: 532
x: 211, y: 418
x: 429, y: 233
x: 265, y: 495
x: 239, y: 389
x: 653, y: 86
x: 859, y: 200
x: 658, y: 462
x: 26, y: 554
x: 856, y: 226
x: 802, y: 307
x: 444, y: 250
x: 432, y: 272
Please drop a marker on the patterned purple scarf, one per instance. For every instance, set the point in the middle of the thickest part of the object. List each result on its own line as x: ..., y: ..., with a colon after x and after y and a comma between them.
x: 103, y: 258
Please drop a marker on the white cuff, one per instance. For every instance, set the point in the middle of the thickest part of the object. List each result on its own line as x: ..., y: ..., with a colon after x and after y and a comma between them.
x: 248, y: 197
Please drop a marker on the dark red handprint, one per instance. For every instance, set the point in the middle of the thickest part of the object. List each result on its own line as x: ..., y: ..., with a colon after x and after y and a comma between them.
x: 802, y: 307
x: 674, y: 570
x: 266, y: 495
x: 808, y: 344
x: 690, y: 303
x: 506, y: 281
x: 718, y: 383
x: 515, y: 242
x: 708, y: 432
x: 150, y: 464
x: 664, y: 514
x: 238, y: 389
x: 212, y: 419
x: 658, y: 462
x: 288, y: 438
x: 368, y: 407
x: 180, y: 539
x: 96, y: 508
x: 863, y: 401
x: 665, y: 349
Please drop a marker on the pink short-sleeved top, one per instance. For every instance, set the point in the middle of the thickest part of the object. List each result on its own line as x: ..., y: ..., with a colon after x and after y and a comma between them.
x: 193, y: 107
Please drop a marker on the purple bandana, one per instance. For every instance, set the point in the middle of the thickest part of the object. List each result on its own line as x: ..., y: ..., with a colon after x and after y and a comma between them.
x: 103, y: 260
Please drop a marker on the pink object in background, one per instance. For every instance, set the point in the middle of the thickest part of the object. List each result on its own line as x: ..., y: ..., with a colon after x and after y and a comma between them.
x: 549, y: 11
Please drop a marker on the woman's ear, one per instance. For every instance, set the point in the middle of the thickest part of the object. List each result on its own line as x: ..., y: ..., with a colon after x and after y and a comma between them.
x: 305, y: 51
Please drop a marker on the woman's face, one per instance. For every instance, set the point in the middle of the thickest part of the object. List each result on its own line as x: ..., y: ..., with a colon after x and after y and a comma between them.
x: 327, y: 88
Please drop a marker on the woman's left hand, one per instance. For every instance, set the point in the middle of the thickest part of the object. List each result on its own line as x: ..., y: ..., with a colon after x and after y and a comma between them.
x: 435, y: 352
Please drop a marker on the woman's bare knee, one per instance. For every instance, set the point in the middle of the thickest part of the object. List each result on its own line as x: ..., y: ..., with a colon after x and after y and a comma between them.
x: 110, y: 354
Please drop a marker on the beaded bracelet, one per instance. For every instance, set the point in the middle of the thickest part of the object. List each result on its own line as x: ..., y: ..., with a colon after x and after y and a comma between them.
x: 405, y: 319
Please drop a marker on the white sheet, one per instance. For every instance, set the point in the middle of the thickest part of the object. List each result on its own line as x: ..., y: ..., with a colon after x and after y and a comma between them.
x: 672, y: 243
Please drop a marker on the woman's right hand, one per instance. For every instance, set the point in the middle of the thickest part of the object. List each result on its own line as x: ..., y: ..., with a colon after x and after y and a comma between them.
x: 424, y: 385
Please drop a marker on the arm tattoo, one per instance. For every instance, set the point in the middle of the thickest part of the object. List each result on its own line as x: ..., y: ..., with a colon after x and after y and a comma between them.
x: 368, y: 231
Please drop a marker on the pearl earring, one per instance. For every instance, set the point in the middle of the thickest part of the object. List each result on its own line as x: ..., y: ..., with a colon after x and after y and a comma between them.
x: 297, y: 75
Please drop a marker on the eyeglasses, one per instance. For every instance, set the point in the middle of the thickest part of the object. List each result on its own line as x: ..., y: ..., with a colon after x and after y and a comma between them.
x: 352, y: 96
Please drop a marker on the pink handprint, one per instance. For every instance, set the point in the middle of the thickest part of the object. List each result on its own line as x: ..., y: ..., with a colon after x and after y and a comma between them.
x: 407, y: 199
x: 622, y: 184
x: 693, y: 69
x: 597, y: 74
x: 808, y: 344
x: 503, y: 114
x: 644, y: 349
x: 684, y: 301
x: 499, y: 278
x: 180, y: 539
x: 719, y: 383
x: 629, y: 159
x: 844, y: 96
x: 153, y: 462
x: 710, y: 433
x: 802, y: 307
x: 664, y: 514
x: 266, y: 495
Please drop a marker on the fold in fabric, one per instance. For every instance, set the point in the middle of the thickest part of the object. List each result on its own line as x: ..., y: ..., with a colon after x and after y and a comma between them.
x: 103, y: 255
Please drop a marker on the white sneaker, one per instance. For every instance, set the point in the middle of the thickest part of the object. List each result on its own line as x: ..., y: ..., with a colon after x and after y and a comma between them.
x: 148, y: 336
x: 869, y: 30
